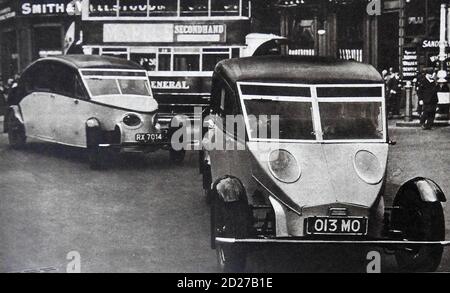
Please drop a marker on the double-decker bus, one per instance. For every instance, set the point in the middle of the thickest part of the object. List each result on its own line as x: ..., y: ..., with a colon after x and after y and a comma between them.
x: 178, y: 42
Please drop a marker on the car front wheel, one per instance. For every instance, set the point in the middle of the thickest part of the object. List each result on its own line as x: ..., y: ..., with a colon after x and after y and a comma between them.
x: 230, y: 220
x: 420, y: 221
x: 16, y: 132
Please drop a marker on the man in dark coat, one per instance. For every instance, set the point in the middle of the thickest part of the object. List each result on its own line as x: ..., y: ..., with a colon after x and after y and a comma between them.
x: 428, y: 98
x: 394, y: 94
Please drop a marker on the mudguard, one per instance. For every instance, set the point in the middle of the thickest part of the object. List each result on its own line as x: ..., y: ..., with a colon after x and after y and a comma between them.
x: 230, y: 189
x: 428, y: 190
x: 15, y: 109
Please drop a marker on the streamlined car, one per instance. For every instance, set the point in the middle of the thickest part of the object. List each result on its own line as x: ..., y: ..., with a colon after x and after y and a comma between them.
x: 309, y: 166
x: 92, y: 102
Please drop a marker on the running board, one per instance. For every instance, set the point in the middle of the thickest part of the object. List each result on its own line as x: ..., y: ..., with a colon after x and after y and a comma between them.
x: 342, y: 242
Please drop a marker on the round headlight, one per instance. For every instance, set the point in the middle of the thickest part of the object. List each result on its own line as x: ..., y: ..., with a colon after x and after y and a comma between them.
x: 368, y: 167
x: 132, y: 120
x: 284, y: 166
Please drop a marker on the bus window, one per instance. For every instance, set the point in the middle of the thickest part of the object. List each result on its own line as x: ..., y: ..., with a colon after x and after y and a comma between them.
x: 102, y: 8
x: 164, y: 8
x: 147, y: 61
x: 210, y: 60
x: 186, y: 62
x: 133, y: 8
x: 164, y: 62
x: 194, y: 7
x: 225, y: 7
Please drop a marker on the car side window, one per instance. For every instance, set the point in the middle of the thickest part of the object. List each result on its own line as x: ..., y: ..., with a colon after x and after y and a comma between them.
x: 80, y: 92
x: 64, y: 80
x: 43, y: 78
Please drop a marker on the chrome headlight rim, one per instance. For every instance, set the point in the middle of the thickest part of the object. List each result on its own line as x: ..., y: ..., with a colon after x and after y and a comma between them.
x: 298, y: 172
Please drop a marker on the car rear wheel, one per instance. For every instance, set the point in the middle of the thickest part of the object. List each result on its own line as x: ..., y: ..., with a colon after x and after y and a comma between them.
x: 419, y: 221
x: 16, y: 132
x: 230, y: 220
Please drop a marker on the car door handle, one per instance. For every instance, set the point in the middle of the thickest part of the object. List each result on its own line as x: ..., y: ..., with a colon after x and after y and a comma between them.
x: 76, y: 102
x: 52, y: 96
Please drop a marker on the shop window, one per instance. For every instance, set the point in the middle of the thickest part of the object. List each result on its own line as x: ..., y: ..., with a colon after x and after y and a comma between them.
x: 225, y: 7
x: 210, y: 60
x: 147, y: 61
x: 163, y: 8
x: 47, y: 41
x: 164, y: 62
x: 194, y: 7
x: 184, y: 62
x: 133, y: 8
x: 102, y: 8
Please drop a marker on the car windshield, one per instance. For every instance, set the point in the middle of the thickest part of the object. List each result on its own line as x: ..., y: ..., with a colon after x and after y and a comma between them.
x: 300, y: 112
x: 103, y: 87
x: 351, y: 120
x: 103, y: 83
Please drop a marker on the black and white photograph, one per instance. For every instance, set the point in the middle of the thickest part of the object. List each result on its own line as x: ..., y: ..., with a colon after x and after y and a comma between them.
x: 224, y: 136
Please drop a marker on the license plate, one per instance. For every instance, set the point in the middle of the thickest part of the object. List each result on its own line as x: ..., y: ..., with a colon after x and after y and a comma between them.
x: 149, y: 137
x: 336, y: 226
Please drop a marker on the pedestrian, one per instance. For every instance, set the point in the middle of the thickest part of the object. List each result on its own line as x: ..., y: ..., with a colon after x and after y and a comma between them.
x: 428, y: 98
x: 394, y: 94
x: 2, y: 97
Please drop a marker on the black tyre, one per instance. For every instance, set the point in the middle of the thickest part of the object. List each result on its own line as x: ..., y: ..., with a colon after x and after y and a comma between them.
x: 419, y: 221
x: 97, y: 158
x: 177, y: 157
x: 230, y: 220
x: 16, y: 132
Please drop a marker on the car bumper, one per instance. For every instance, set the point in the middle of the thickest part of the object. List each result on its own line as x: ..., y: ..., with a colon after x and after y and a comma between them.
x: 136, y: 147
x: 375, y: 242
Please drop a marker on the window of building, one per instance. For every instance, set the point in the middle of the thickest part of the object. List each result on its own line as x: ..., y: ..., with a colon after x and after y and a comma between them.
x: 48, y: 40
x: 194, y: 7
x: 225, y: 7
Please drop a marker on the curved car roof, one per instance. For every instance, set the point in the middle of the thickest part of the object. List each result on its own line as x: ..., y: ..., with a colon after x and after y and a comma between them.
x: 94, y: 61
x: 297, y: 69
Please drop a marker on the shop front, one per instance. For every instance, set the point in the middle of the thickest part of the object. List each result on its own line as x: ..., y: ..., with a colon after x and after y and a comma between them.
x: 30, y: 30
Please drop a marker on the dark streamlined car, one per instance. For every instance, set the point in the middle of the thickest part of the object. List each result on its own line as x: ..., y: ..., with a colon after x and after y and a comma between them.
x: 321, y: 179
x: 91, y: 102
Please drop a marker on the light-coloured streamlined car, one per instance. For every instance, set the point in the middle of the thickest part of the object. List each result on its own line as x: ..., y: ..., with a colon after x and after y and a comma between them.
x: 320, y: 178
x: 92, y: 102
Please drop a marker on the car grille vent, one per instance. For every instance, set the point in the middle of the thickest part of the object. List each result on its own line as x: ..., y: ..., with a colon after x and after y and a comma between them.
x: 338, y: 212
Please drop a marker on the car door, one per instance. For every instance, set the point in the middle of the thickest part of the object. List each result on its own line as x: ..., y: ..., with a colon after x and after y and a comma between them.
x: 37, y: 105
x: 73, y: 110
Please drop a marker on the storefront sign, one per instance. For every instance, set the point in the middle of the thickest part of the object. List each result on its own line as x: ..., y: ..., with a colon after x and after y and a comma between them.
x: 200, y: 33
x: 6, y: 13
x: 50, y: 7
x: 409, y: 64
x: 432, y: 44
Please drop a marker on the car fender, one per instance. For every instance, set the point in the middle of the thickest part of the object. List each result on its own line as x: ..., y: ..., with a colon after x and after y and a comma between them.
x: 230, y: 189
x: 15, y: 110
x: 428, y: 190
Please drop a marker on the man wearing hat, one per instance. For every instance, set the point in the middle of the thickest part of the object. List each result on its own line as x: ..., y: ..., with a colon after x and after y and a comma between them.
x: 428, y: 98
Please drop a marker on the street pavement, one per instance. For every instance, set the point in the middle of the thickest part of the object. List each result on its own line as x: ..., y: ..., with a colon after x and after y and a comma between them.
x: 144, y: 214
